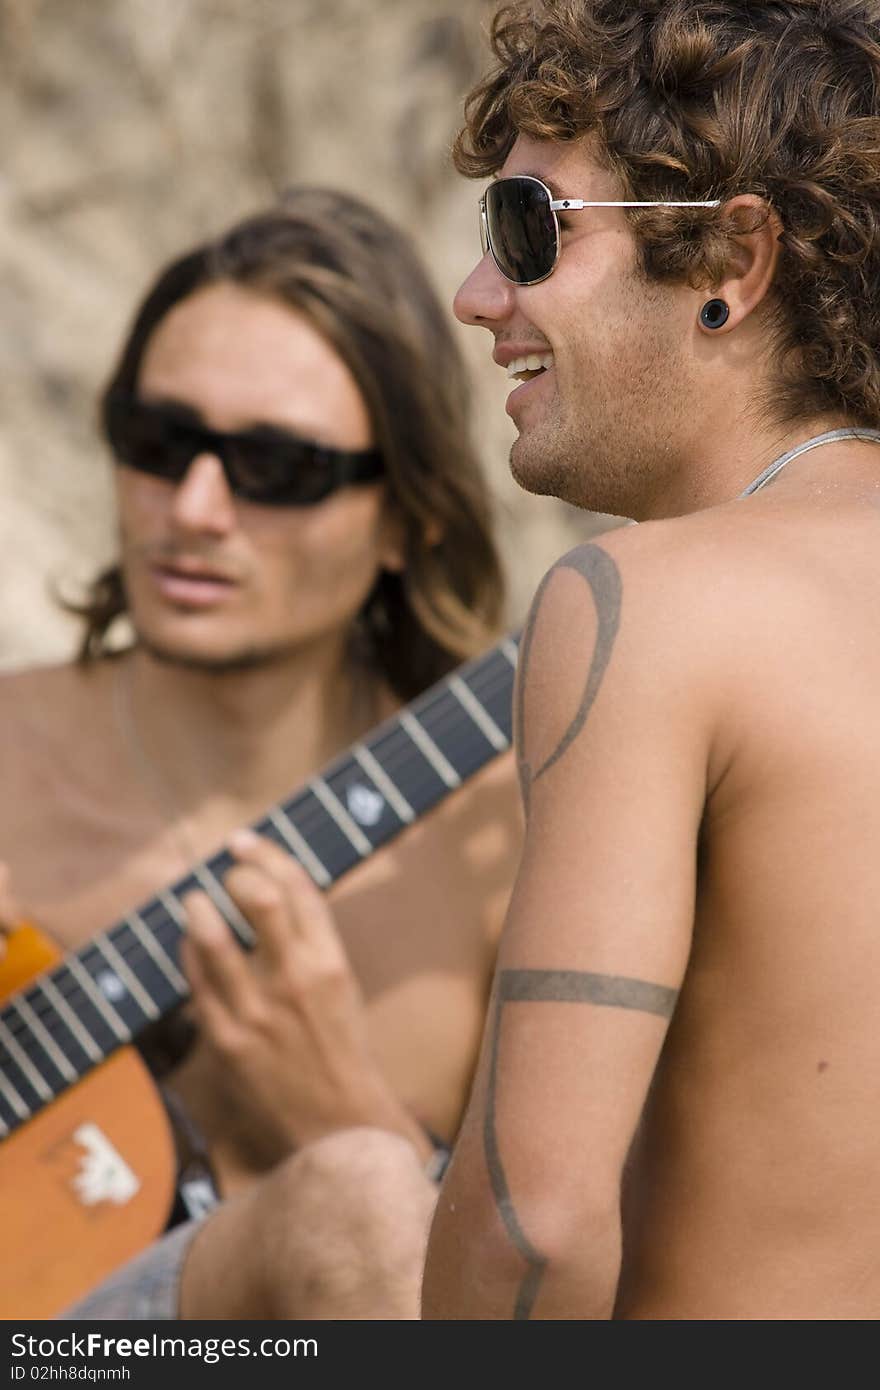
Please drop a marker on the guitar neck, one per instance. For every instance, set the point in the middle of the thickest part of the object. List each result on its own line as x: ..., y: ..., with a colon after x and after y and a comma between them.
x: 106, y: 994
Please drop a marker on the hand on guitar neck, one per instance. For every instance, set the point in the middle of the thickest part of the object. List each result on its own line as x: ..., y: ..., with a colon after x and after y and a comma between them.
x: 284, y: 1024
x: 287, y: 1021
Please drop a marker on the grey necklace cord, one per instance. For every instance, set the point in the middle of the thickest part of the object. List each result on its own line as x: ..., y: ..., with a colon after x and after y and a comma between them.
x: 833, y: 437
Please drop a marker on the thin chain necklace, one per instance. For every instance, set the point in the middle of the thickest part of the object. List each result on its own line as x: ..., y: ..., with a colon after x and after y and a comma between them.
x: 150, y: 776
x: 832, y: 437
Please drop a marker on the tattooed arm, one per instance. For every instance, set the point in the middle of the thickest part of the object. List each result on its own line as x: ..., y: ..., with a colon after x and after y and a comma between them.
x: 612, y: 737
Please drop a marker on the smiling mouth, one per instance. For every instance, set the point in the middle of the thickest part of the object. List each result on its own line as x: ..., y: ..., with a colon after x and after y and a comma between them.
x: 527, y: 368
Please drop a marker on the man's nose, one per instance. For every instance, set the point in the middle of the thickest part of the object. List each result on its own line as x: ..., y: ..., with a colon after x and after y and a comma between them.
x: 202, y: 499
x: 485, y: 298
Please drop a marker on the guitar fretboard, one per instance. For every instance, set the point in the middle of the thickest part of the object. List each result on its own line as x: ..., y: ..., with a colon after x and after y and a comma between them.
x: 68, y: 1020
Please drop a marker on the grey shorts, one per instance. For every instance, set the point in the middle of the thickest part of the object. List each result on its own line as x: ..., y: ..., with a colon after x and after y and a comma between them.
x: 145, y: 1289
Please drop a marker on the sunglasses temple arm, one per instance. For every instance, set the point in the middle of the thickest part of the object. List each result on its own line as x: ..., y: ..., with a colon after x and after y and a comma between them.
x: 577, y: 204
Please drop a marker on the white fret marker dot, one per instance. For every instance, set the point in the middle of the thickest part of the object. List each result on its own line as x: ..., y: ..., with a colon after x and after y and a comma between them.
x: 365, y: 805
x: 111, y: 986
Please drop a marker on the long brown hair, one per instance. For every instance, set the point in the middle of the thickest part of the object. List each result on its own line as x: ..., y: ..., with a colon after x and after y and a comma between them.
x: 359, y: 281
x: 704, y: 99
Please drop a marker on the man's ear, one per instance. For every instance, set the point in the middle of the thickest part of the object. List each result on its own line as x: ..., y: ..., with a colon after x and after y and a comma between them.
x: 754, y: 256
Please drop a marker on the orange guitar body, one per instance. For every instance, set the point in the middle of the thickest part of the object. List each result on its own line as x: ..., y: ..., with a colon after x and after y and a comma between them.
x: 89, y: 1181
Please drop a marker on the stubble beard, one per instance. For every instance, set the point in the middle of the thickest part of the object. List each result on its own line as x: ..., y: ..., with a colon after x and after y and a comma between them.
x: 600, y: 463
x: 239, y: 657
x: 609, y: 449
x: 245, y: 658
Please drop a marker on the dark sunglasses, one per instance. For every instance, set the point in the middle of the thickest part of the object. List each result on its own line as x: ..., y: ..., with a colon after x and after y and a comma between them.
x: 264, y: 465
x: 519, y: 225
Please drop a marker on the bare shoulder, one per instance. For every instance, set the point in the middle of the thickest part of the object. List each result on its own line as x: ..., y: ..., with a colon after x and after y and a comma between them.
x: 680, y: 626
x: 47, y: 696
x: 690, y: 588
x: 632, y: 595
x: 49, y: 717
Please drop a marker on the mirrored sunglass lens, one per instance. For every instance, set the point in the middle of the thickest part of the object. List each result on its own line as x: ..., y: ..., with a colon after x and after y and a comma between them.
x: 522, y: 229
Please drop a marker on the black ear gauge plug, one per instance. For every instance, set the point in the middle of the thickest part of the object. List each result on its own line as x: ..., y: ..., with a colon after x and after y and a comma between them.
x: 714, y: 314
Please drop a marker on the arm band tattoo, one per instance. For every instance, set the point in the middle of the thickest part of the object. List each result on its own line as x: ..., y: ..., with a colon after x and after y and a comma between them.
x: 553, y: 986
x: 580, y: 987
x: 602, y: 575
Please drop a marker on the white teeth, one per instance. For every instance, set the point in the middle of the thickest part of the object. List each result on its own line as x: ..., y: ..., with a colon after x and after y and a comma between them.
x: 533, y: 363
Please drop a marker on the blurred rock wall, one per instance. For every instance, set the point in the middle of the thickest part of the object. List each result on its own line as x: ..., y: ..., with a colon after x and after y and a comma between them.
x: 130, y: 128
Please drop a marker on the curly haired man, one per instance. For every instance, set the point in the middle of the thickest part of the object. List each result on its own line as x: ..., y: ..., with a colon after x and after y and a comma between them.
x: 674, y: 1115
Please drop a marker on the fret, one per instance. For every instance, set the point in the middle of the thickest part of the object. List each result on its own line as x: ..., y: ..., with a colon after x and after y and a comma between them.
x: 152, y: 966
x: 481, y: 718
x: 461, y: 741
x: 300, y: 849
x: 12, y: 1098
x: 163, y: 925
x: 116, y: 1025
x: 128, y: 980
x: 391, y: 793
x: 330, y: 801
x: 163, y: 961
x: 36, y: 1028
x: 322, y: 833
x: 9, y: 1117
x: 16, y: 1079
x: 64, y: 1011
x: 404, y: 762
x: 365, y: 801
x: 19, y: 1073
x: 174, y: 907
x: 492, y: 685
x: 224, y: 904
x: 24, y: 1063
x: 423, y: 741
x: 60, y: 1062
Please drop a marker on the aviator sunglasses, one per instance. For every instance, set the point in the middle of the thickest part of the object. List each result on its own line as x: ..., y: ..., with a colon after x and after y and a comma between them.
x: 519, y: 225
x: 264, y: 464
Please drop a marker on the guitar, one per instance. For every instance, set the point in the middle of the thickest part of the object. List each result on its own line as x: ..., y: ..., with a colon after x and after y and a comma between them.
x: 79, y: 1112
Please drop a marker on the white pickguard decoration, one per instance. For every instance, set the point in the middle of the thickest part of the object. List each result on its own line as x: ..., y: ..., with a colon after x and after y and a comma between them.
x: 104, y: 1175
